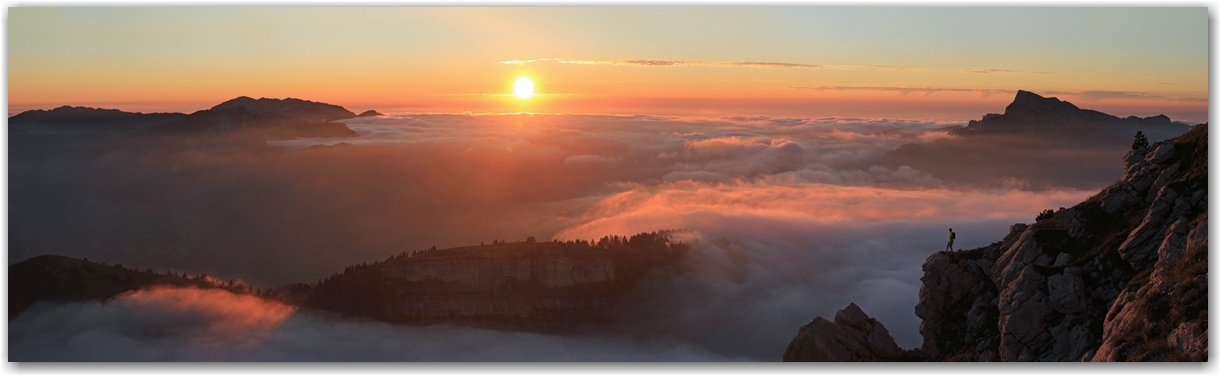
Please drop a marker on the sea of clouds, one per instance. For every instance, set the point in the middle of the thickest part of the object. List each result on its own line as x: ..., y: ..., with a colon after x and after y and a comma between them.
x: 788, y: 219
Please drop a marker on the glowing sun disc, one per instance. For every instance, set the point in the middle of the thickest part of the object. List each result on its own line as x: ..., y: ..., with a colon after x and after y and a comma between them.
x: 524, y: 88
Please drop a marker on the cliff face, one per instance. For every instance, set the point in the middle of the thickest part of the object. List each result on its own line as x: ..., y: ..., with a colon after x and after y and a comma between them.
x: 523, y: 284
x: 1119, y: 277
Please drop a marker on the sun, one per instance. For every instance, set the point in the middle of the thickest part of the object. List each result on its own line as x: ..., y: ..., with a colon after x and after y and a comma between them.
x: 524, y: 88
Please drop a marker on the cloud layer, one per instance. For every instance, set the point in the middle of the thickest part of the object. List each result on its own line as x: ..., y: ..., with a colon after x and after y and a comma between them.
x: 198, y: 325
x: 790, y: 218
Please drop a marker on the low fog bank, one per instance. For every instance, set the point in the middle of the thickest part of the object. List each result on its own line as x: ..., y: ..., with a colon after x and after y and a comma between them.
x: 789, y: 219
x: 196, y: 325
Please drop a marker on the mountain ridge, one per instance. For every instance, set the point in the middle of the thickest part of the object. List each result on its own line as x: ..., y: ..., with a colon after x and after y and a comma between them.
x: 243, y: 116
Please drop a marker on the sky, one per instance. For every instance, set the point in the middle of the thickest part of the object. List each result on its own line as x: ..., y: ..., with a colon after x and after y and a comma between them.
x: 761, y: 131
x: 932, y: 63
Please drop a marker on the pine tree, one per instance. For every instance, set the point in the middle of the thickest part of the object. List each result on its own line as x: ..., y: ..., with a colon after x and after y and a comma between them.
x: 1141, y: 141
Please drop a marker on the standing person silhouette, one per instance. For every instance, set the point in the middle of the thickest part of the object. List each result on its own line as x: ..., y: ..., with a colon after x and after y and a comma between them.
x: 952, y: 236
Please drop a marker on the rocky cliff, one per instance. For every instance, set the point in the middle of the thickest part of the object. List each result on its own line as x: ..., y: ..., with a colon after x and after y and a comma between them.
x: 1121, y: 276
x: 521, y: 284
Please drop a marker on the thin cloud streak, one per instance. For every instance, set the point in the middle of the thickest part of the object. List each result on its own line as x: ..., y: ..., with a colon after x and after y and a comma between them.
x: 904, y: 90
x: 763, y: 65
x: 1093, y: 95
x: 1107, y: 94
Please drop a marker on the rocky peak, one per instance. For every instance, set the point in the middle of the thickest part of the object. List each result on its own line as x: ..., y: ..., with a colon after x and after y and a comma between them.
x: 853, y: 336
x: 1028, y: 103
x: 1055, y: 120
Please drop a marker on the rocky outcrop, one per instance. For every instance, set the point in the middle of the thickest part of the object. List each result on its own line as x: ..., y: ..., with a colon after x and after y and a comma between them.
x: 1119, y: 277
x: 853, y: 336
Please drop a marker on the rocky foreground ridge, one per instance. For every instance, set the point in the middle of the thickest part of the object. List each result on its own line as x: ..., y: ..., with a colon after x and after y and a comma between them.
x: 1121, y: 276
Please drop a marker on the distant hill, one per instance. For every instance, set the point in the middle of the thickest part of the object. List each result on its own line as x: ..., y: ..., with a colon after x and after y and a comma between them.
x: 85, y: 119
x: 60, y: 278
x: 1034, y: 115
x: 242, y: 116
x: 270, y: 125
x: 370, y: 113
x: 1037, y: 143
x: 291, y: 107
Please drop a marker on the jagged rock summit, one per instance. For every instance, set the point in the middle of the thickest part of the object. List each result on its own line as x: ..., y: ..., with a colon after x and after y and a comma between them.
x: 853, y: 337
x: 1121, y: 276
x: 1034, y: 115
x: 1038, y: 143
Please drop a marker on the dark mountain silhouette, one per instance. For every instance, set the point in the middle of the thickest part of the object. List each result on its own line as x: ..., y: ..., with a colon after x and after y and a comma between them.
x: 85, y: 119
x: 243, y: 117
x: 370, y: 113
x: 1038, y: 143
x: 291, y: 107
x: 1121, y: 276
x: 60, y: 278
x: 1036, y: 116
x: 242, y: 121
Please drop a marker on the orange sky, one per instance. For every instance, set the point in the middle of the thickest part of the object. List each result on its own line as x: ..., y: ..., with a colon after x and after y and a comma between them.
x: 948, y: 63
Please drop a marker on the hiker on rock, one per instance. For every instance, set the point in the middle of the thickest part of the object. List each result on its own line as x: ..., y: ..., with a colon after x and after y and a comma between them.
x: 952, y: 236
